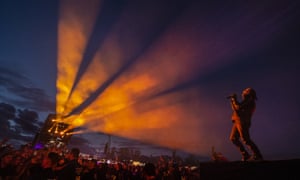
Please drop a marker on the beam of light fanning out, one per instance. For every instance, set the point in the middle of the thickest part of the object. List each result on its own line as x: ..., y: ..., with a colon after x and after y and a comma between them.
x: 74, y: 28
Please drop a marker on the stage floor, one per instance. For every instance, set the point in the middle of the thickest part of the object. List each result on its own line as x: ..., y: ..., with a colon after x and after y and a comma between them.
x: 275, y: 169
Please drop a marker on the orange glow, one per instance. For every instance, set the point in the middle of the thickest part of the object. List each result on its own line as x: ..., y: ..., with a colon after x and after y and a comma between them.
x: 131, y: 105
x: 167, y: 121
x: 112, y: 55
x: 74, y: 29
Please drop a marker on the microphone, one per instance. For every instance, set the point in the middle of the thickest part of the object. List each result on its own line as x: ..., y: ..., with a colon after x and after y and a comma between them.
x: 231, y: 96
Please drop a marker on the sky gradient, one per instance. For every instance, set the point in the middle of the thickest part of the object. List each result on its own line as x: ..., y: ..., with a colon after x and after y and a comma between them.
x: 155, y: 72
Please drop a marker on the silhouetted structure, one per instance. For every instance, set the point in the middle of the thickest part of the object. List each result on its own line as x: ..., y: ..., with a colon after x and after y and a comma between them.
x: 53, y: 131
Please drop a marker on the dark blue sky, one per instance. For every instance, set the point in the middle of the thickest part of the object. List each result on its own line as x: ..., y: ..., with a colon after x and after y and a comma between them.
x: 215, y: 48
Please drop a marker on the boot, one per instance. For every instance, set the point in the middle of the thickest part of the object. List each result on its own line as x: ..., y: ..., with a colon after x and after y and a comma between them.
x: 245, y: 156
x: 256, y: 157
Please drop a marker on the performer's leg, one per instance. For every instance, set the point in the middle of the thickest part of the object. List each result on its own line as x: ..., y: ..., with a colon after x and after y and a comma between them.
x: 235, y: 139
x: 245, y: 136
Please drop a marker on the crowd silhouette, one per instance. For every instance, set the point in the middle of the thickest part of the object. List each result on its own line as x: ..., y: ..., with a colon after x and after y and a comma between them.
x: 56, y: 163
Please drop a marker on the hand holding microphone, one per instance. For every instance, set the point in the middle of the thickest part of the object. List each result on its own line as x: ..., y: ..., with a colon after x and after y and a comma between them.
x: 232, y: 96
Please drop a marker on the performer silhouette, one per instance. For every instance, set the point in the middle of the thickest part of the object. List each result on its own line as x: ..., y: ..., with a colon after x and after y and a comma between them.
x: 241, y: 119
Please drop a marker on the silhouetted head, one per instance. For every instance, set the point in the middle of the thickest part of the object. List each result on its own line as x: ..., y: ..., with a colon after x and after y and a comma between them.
x: 149, y: 169
x: 249, y: 93
x: 75, y: 152
x: 54, y: 157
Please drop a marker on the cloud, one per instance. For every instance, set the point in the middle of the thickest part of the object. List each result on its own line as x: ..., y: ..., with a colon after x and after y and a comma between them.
x: 21, y: 104
x: 18, y: 90
x: 6, y: 112
x: 17, y: 124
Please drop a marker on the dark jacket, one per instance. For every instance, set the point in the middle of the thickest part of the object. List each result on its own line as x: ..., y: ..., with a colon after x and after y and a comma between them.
x: 69, y: 171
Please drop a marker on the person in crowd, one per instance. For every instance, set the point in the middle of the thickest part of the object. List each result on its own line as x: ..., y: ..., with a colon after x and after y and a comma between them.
x: 71, y: 169
x: 49, y: 163
x: 89, y: 171
x: 7, y: 170
x: 241, y: 119
x: 149, y: 171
